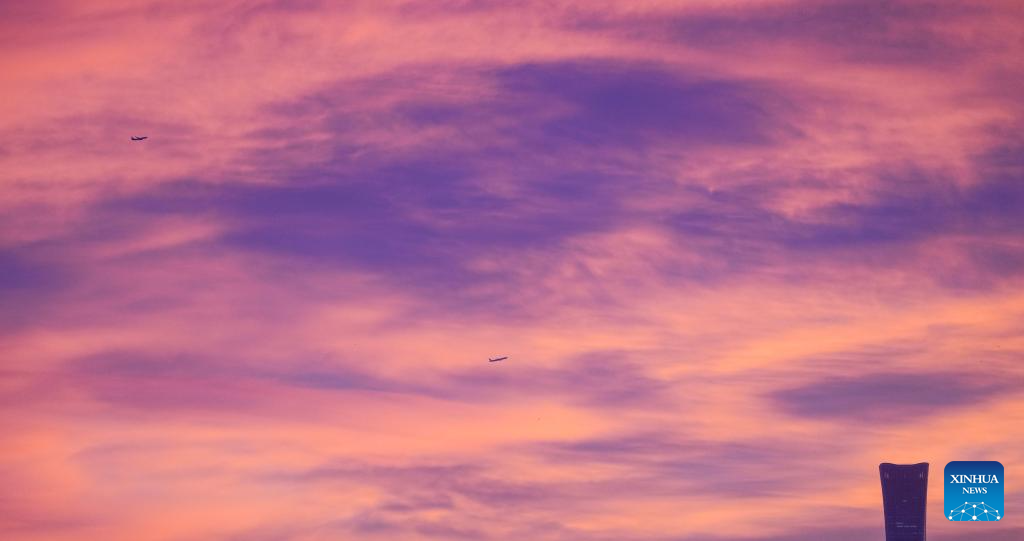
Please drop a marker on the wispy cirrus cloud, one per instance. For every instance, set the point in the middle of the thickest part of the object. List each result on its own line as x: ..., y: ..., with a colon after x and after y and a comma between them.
x: 719, y: 244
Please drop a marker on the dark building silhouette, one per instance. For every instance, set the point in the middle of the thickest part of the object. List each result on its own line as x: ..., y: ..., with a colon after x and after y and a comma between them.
x: 904, y: 499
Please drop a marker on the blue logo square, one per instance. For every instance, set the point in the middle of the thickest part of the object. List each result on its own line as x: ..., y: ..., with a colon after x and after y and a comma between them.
x: 973, y: 491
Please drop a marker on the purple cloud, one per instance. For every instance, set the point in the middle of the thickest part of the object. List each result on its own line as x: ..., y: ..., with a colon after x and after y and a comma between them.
x: 894, y: 398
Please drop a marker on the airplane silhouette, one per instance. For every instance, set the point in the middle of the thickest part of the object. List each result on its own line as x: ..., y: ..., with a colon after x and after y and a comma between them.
x: 134, y: 138
x: 490, y: 360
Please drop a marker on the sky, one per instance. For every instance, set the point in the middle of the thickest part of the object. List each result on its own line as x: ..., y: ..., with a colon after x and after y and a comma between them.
x: 738, y: 253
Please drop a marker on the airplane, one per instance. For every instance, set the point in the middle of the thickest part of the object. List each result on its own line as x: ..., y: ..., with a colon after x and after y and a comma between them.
x: 490, y: 360
x: 134, y: 138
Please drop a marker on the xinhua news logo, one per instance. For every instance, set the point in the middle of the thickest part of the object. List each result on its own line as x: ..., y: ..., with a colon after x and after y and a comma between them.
x: 973, y: 491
